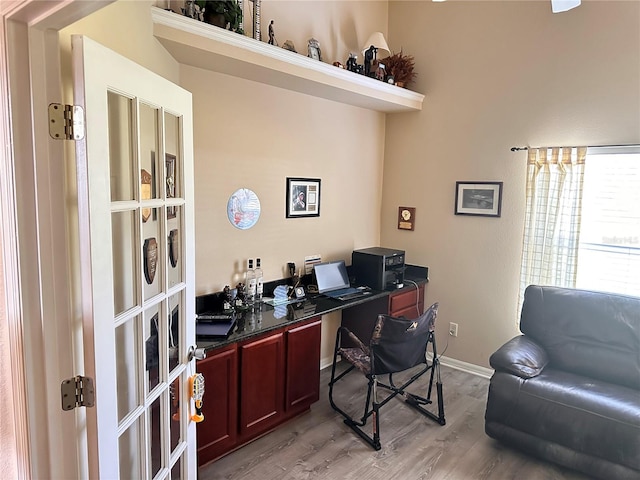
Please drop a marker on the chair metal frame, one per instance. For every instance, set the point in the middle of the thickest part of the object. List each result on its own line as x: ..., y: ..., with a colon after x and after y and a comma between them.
x: 372, y: 405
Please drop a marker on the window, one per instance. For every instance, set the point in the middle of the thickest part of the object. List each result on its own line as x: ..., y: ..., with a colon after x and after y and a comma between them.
x: 582, y: 219
x: 609, y: 247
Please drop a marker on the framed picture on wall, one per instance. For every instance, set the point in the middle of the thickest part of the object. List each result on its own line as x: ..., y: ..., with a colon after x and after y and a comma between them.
x: 303, y: 197
x: 478, y: 198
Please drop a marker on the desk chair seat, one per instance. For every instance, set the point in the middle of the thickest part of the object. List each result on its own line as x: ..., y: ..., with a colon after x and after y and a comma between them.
x: 396, y: 345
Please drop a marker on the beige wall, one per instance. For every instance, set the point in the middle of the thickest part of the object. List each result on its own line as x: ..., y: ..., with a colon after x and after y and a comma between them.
x: 125, y: 27
x: 249, y: 135
x: 495, y: 75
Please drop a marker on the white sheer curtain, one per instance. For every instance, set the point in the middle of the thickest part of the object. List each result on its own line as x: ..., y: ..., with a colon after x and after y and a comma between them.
x: 552, y: 218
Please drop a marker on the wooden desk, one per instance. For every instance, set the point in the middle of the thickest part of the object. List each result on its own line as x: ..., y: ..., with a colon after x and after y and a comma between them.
x: 268, y: 370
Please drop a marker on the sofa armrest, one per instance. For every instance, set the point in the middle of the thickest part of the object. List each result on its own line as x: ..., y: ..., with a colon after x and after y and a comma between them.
x: 520, y: 356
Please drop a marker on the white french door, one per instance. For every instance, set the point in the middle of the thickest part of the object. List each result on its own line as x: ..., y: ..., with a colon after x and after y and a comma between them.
x: 136, y: 223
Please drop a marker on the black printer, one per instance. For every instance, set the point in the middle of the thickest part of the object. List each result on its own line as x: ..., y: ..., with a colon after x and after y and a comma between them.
x: 378, y: 267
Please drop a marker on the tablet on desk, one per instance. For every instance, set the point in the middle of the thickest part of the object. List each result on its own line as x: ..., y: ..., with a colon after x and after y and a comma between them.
x: 218, y: 329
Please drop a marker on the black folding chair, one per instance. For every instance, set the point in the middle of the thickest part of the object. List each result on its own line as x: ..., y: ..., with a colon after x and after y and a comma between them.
x: 396, y: 345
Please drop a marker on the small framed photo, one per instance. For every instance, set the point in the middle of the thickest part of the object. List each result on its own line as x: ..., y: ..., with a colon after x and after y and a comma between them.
x: 303, y: 197
x: 478, y: 198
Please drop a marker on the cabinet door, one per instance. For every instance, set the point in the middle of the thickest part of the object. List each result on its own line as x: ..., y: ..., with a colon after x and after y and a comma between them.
x: 217, y: 434
x: 409, y: 304
x: 261, y: 385
x: 303, y: 366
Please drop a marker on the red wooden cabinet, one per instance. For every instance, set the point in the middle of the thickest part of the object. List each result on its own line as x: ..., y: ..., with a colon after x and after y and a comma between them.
x: 261, y: 384
x: 303, y: 366
x: 254, y: 385
x: 408, y: 303
x: 360, y: 319
x: 219, y: 431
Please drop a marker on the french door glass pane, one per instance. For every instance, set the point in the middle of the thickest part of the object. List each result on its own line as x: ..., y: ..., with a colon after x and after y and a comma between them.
x: 129, y: 447
x: 174, y: 314
x: 127, y: 367
x: 155, y: 437
x: 173, y: 159
x: 152, y: 345
x: 149, y: 144
x: 121, y: 147
x: 175, y: 419
x: 175, y: 471
x: 123, y: 236
x: 174, y: 245
x: 151, y: 255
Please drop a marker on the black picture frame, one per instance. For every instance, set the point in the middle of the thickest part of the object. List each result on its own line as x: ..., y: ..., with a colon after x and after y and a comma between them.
x: 303, y: 197
x: 481, y: 199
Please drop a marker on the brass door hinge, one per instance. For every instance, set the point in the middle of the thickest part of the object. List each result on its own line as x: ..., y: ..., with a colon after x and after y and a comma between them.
x: 66, y: 122
x: 77, y: 391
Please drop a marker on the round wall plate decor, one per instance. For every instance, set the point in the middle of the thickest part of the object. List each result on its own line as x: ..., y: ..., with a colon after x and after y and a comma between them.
x: 243, y: 209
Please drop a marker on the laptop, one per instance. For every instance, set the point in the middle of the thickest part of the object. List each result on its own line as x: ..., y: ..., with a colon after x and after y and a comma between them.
x: 333, y: 281
x: 217, y: 329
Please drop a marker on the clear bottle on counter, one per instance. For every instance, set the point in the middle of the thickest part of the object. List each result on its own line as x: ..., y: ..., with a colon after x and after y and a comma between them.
x: 250, y: 283
x: 259, y: 282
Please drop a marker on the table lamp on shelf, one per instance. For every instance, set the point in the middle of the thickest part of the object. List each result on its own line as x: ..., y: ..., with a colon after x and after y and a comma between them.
x: 375, y: 42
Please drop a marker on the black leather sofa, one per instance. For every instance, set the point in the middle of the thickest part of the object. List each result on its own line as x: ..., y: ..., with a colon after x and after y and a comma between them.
x: 568, y: 389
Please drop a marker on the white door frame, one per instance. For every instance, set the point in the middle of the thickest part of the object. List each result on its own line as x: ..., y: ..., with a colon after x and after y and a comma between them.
x: 34, y: 243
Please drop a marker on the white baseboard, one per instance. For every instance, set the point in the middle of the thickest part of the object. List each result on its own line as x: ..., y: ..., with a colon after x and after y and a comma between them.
x: 483, y: 372
x: 326, y: 362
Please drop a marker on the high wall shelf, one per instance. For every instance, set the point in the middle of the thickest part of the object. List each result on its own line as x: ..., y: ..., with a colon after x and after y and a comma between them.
x: 212, y: 48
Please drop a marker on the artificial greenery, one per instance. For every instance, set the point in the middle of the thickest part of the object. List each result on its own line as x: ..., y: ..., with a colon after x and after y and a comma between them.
x: 401, y: 67
x: 228, y: 8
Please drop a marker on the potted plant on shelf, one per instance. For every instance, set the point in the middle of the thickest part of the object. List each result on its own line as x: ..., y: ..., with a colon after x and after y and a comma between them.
x: 401, y: 67
x: 226, y: 14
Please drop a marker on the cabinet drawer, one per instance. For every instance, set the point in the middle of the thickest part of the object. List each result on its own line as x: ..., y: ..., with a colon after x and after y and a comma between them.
x: 405, y: 300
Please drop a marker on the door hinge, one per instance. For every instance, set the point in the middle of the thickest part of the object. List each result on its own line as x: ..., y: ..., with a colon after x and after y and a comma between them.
x: 77, y: 392
x: 66, y: 122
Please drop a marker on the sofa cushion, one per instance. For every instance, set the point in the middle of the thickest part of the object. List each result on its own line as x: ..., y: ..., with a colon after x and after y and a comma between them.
x: 520, y: 356
x: 585, y: 415
x: 594, y: 334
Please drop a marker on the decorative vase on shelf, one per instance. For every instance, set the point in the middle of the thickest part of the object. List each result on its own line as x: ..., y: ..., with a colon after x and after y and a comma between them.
x: 216, y: 19
x: 226, y: 14
x: 401, y: 66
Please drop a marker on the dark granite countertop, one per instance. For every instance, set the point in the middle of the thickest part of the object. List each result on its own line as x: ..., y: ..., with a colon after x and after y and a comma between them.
x: 267, y: 318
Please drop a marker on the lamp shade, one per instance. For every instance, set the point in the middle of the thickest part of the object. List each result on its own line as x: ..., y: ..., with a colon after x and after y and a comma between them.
x: 377, y: 40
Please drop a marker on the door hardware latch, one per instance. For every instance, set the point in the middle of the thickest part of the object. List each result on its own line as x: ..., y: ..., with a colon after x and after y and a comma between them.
x: 197, y: 353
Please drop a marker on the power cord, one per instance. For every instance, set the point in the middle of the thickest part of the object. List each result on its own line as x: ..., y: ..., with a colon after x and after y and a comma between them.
x: 419, y: 313
x: 417, y: 296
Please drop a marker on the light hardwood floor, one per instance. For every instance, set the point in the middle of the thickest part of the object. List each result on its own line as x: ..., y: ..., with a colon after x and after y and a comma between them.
x: 318, y: 445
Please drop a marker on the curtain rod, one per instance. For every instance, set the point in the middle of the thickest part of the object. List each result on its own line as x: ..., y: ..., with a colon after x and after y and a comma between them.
x: 516, y: 149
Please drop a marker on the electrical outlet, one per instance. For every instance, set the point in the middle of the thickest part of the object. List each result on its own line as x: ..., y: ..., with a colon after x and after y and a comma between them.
x: 453, y: 329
